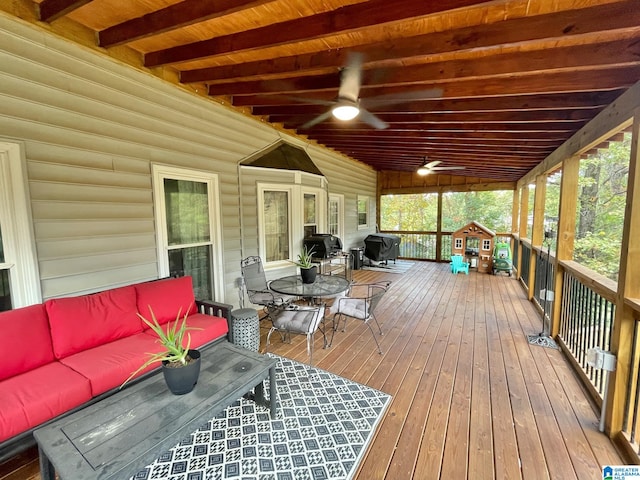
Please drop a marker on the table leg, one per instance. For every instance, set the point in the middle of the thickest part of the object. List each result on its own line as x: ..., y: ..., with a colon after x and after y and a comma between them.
x: 47, y: 471
x: 273, y: 394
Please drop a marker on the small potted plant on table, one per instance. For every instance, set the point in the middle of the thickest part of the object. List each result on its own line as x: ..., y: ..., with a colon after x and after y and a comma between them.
x: 180, y: 364
x: 307, y: 269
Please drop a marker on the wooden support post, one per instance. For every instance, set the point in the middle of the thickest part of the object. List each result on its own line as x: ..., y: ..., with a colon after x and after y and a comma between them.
x: 628, y: 288
x: 537, y: 232
x: 566, y: 231
x: 524, y: 208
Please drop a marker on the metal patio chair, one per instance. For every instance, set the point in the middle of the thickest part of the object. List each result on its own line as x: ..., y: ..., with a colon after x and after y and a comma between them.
x: 297, y: 319
x: 359, y: 307
x: 257, y: 288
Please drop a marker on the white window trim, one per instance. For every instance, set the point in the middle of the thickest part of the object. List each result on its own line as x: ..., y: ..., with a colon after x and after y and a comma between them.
x: 295, y: 211
x: 160, y: 172
x: 17, y: 226
x: 458, y: 243
x: 486, y: 244
x: 339, y: 198
x: 360, y: 198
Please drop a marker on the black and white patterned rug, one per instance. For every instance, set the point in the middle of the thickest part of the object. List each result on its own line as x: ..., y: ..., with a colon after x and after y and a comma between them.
x: 324, y: 425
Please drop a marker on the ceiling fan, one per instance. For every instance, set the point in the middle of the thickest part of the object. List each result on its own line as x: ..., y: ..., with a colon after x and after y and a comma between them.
x: 430, y: 167
x: 347, y: 105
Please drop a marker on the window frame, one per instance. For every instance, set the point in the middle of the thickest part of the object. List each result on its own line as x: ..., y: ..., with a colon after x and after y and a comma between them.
x: 338, y: 198
x: 160, y: 172
x: 365, y: 199
x: 17, y: 227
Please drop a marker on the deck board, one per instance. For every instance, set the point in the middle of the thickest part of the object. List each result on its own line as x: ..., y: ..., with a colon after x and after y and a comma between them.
x: 471, y: 398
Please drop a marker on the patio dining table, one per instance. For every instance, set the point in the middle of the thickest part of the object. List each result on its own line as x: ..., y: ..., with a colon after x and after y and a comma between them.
x: 325, y: 286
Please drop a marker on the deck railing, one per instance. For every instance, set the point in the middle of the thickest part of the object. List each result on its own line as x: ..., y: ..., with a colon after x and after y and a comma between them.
x: 423, y: 245
x: 526, y: 261
x: 587, y: 316
x: 543, y: 285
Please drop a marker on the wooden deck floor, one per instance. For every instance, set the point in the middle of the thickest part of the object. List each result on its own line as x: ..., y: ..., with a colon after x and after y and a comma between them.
x: 471, y: 398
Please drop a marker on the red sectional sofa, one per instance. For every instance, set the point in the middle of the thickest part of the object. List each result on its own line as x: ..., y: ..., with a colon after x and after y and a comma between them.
x: 69, y: 352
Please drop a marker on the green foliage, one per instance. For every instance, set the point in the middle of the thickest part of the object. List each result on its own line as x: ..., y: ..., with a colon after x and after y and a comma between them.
x: 419, y: 212
x: 601, y: 207
x: 305, y: 258
x: 172, y: 340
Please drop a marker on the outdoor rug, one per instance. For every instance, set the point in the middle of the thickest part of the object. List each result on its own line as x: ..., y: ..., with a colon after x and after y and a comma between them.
x: 400, y: 266
x: 323, y: 428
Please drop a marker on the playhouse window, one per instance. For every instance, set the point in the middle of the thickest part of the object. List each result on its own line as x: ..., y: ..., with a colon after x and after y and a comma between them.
x: 486, y: 244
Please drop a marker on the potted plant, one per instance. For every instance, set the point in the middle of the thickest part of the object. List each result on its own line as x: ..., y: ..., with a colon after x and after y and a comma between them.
x: 307, y: 269
x: 180, y: 364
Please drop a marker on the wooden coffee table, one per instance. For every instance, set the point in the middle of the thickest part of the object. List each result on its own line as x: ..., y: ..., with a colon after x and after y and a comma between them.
x: 120, y: 435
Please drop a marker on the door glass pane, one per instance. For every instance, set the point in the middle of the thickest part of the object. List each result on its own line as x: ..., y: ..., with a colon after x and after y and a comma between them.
x: 276, y: 225
x: 5, y: 291
x: 194, y: 261
x: 333, y: 217
x: 187, y: 208
x: 2, y: 260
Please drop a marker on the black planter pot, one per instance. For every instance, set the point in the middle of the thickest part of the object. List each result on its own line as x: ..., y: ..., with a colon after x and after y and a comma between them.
x: 181, y: 380
x: 308, y: 274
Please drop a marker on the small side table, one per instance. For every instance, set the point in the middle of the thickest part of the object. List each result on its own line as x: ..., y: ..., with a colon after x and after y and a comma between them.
x: 244, y: 330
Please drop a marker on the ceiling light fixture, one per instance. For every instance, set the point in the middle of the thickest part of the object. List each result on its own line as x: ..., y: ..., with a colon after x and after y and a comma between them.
x: 423, y: 170
x: 345, y: 111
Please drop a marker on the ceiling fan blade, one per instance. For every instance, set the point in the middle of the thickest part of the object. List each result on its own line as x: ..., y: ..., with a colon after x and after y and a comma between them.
x: 395, y: 98
x: 371, y: 119
x: 351, y: 78
x: 431, y: 165
x: 317, y: 120
x: 447, y: 168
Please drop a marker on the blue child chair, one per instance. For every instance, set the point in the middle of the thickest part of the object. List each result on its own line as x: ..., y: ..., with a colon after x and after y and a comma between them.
x: 459, y: 265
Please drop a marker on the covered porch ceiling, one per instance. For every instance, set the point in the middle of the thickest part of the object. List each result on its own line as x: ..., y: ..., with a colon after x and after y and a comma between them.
x: 493, y: 87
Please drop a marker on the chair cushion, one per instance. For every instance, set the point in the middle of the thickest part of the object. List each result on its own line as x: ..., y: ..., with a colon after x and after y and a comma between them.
x: 353, y: 307
x: 167, y: 298
x: 301, y: 321
x: 35, y: 397
x: 80, y: 323
x: 108, y: 365
x: 26, y: 333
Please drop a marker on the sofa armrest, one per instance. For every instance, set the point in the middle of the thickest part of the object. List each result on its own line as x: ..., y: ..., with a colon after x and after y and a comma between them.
x: 217, y: 309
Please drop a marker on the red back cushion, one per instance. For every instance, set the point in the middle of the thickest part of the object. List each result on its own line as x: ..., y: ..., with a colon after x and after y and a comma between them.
x: 80, y: 323
x: 166, y: 298
x: 25, y: 333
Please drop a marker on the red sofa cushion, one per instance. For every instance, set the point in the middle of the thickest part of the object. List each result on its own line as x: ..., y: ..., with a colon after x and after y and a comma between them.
x: 80, y: 323
x: 107, y: 366
x: 206, y: 329
x: 25, y: 332
x: 36, y: 396
x: 167, y: 298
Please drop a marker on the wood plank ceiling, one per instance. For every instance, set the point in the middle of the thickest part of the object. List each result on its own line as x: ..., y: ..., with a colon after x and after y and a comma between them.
x: 490, y: 86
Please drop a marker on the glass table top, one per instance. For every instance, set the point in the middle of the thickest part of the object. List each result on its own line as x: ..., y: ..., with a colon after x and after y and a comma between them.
x: 324, y: 286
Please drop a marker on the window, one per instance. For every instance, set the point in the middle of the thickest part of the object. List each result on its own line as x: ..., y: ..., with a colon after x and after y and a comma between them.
x: 363, y: 211
x: 458, y: 244
x: 19, y: 278
x: 310, y: 216
x: 276, y: 228
x: 287, y: 214
x: 486, y: 244
x: 336, y: 215
x: 187, y: 207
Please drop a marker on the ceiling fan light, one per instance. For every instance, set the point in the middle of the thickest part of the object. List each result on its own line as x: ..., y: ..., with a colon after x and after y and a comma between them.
x: 422, y: 171
x: 345, y: 112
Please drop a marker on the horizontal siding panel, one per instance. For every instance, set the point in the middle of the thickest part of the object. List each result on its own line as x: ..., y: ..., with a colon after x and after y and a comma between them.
x: 66, y: 248
x: 84, y: 193
x: 70, y: 210
x: 81, y: 283
x: 95, y: 263
x: 66, y: 155
x: 67, y: 229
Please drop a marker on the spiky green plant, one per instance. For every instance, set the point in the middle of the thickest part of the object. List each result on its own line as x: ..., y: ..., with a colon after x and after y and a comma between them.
x: 171, y: 339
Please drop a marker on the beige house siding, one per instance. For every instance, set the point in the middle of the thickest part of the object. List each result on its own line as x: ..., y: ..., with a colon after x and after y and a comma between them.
x: 92, y: 128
